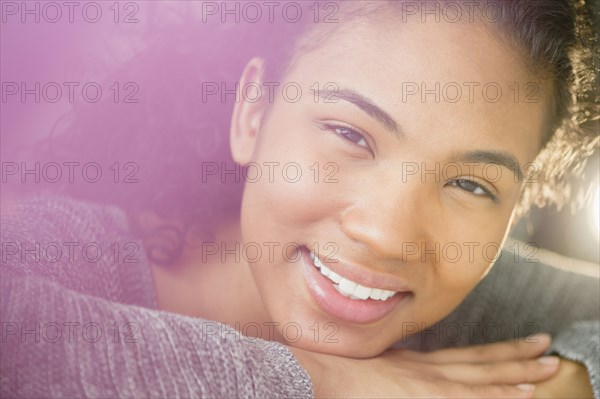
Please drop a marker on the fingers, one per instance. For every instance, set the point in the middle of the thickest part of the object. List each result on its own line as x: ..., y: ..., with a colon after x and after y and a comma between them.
x: 524, y: 348
x: 502, y: 391
x: 457, y: 390
x: 506, y: 372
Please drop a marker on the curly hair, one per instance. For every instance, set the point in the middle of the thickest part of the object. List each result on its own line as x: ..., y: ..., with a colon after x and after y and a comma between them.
x: 174, y: 130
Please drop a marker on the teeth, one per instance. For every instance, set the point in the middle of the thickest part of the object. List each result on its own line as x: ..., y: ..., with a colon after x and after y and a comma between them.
x: 362, y: 292
x: 333, y: 276
x: 389, y: 295
x: 376, y: 293
x: 349, y: 288
x: 316, y: 260
x: 337, y: 288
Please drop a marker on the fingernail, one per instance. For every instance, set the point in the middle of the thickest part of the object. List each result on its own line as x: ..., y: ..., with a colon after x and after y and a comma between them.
x: 549, y: 360
x: 540, y: 339
x: 526, y: 387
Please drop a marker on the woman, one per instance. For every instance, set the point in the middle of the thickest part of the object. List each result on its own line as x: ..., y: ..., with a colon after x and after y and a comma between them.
x: 370, y: 217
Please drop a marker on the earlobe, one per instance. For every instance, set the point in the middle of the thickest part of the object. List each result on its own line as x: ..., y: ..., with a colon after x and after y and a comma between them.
x: 248, y: 112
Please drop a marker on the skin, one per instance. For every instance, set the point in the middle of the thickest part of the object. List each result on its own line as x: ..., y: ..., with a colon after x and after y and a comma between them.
x: 370, y: 209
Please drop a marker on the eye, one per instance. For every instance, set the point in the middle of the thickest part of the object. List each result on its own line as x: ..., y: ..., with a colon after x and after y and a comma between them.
x: 348, y: 134
x: 473, y: 188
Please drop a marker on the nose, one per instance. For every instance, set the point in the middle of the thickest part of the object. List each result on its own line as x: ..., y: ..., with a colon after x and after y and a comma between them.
x: 387, y: 215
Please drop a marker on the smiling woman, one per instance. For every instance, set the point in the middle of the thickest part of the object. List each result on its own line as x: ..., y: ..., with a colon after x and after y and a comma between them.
x: 366, y: 262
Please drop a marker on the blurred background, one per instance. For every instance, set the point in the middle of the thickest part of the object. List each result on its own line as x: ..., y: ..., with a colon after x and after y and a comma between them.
x: 571, y: 231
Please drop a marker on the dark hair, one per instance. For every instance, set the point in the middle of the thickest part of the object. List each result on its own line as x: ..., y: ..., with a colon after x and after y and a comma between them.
x: 169, y: 141
x: 558, y: 40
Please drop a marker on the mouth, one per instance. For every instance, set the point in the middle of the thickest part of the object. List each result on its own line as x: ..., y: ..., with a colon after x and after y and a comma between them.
x: 348, y: 288
x: 351, y: 295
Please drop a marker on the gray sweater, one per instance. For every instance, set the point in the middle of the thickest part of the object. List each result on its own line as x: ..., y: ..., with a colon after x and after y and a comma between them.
x: 79, y: 317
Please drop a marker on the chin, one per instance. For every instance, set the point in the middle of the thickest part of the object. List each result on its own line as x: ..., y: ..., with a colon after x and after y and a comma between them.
x: 353, y: 347
x: 313, y: 331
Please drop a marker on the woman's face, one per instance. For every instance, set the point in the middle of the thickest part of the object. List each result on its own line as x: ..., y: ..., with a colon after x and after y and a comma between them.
x: 399, y: 192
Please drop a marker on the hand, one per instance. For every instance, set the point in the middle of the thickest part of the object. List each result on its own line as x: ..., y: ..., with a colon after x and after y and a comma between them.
x: 571, y: 381
x: 497, y: 370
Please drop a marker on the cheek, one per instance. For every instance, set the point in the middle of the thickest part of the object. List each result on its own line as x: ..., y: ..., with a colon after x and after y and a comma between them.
x: 286, y: 208
x: 462, y: 265
x: 465, y: 251
x: 288, y: 187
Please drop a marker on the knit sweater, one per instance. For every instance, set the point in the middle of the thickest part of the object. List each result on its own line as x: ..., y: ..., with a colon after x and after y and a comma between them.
x: 79, y: 317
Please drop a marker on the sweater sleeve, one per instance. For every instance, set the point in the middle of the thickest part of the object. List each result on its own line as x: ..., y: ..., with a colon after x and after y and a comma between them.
x: 520, y: 297
x: 66, y: 344
x: 89, y: 334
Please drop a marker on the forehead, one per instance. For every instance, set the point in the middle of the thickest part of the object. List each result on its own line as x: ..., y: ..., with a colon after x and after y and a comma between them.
x: 435, y: 77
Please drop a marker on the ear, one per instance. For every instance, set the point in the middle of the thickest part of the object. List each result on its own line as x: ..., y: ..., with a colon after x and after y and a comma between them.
x: 248, y: 112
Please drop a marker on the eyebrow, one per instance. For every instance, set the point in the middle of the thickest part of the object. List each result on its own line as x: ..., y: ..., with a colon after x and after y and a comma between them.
x: 366, y: 105
x: 500, y: 158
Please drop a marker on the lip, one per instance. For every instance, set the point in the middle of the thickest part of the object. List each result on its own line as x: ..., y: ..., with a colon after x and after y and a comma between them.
x: 359, y: 275
x: 341, y: 307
